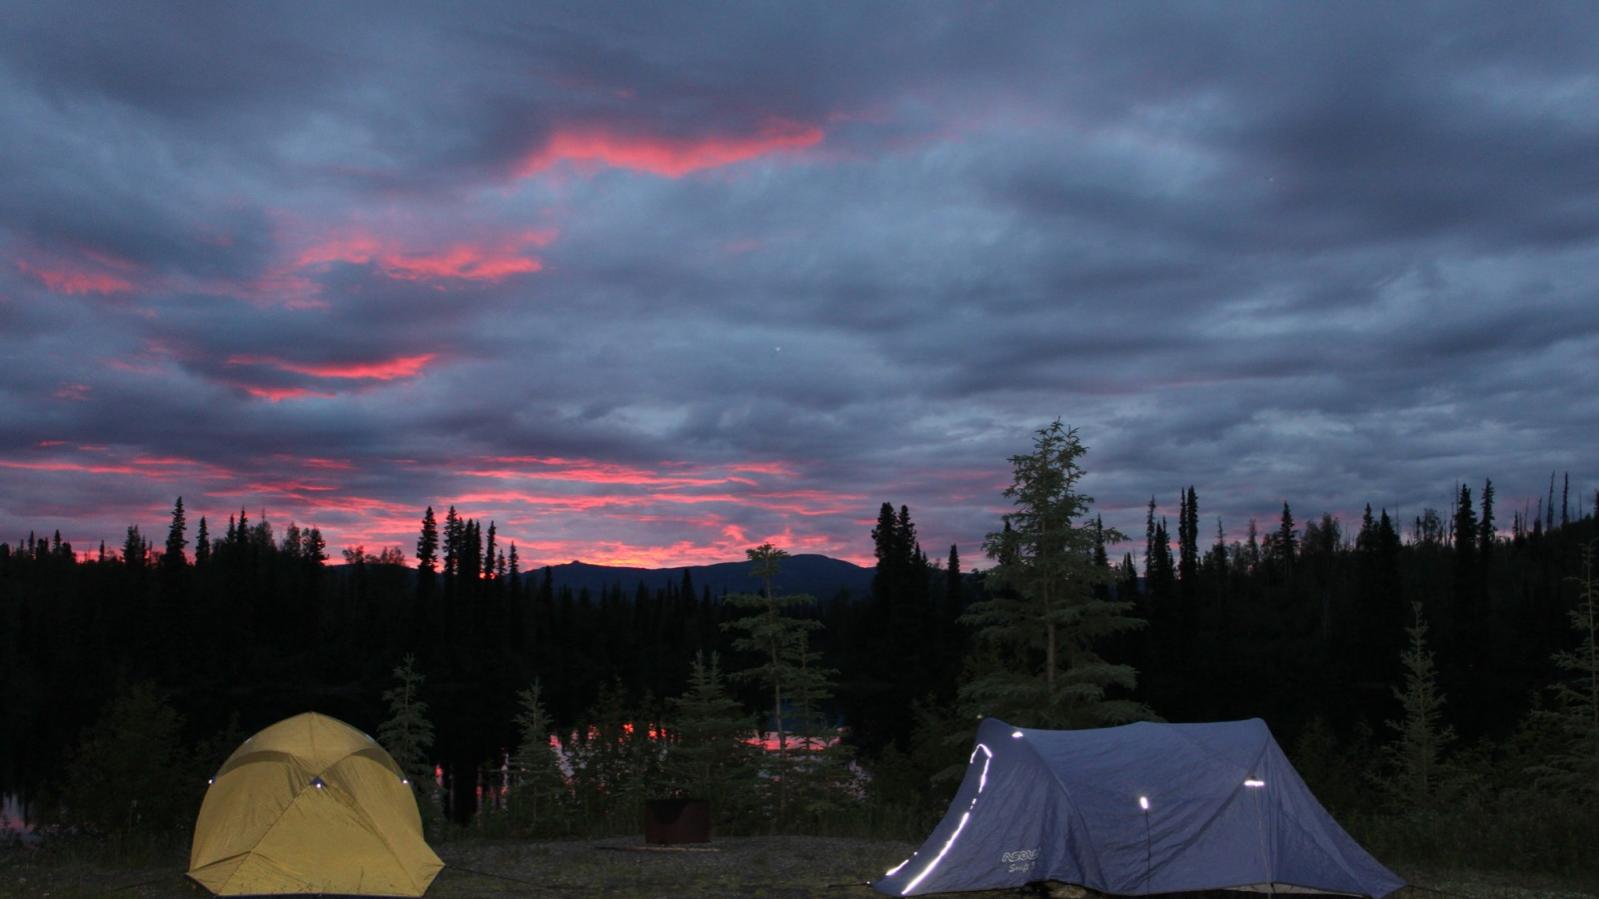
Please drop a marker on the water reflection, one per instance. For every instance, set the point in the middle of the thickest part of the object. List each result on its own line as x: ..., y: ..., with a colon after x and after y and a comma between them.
x: 14, y: 820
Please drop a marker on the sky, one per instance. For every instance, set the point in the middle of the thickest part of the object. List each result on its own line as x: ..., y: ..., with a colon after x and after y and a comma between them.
x: 653, y: 283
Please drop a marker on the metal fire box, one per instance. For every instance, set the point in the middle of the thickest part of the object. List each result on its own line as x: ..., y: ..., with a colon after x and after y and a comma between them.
x: 677, y: 821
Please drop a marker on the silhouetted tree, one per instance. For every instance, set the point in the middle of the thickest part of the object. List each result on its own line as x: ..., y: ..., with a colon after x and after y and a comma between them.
x: 1049, y: 628
x: 177, y: 539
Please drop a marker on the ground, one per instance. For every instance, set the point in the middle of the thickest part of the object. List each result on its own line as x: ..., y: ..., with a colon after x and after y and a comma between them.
x: 622, y: 868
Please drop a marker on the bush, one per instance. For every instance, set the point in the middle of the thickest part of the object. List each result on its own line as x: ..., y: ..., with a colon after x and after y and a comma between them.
x: 131, y: 771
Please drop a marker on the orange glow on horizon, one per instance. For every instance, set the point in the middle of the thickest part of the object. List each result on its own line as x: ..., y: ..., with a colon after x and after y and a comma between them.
x: 671, y: 157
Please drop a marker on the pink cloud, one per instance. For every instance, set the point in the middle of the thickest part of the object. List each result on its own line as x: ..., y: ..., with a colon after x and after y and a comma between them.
x: 671, y: 157
x: 279, y: 394
x: 381, y: 370
x: 488, y: 261
x: 75, y: 281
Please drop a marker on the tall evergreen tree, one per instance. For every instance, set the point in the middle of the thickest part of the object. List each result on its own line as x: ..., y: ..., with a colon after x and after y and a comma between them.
x: 202, y: 545
x: 452, y: 546
x: 1284, y: 547
x: 1485, y: 526
x: 952, y: 579
x: 1188, y: 540
x: 177, y: 538
x: 427, y: 545
x: 1049, y: 627
x: 781, y: 641
x: 1465, y: 534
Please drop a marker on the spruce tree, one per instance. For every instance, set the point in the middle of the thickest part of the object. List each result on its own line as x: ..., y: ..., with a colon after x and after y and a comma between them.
x: 427, y: 546
x: 1188, y: 540
x: 952, y: 579
x: 202, y: 545
x: 1574, y: 716
x: 1485, y: 526
x: 408, y: 732
x: 538, y: 784
x: 1414, y: 761
x: 1049, y: 621
x: 710, y: 756
x: 781, y: 643
x: 173, y: 559
x: 452, y: 546
x: 1284, y: 548
x: 1466, y: 535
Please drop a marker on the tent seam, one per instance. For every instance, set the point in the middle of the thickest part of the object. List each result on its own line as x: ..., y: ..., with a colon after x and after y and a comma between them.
x: 383, y: 838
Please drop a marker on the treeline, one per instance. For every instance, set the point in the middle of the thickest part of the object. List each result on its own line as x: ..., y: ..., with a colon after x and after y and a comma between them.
x: 1305, y: 626
x: 1294, y: 623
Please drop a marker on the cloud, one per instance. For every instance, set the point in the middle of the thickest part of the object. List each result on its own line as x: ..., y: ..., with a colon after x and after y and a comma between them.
x: 671, y: 157
x: 381, y: 370
x: 651, y: 287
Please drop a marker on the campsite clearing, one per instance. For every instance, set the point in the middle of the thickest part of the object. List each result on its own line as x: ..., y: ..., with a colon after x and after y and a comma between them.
x: 784, y: 867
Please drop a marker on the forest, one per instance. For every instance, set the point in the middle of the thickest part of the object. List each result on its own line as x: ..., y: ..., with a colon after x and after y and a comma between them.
x: 1435, y: 680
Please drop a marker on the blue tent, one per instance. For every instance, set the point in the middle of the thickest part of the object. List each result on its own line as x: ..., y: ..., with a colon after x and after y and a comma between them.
x: 1137, y: 809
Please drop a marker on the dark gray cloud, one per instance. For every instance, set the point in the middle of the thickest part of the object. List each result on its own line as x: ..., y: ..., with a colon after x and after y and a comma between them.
x: 652, y: 284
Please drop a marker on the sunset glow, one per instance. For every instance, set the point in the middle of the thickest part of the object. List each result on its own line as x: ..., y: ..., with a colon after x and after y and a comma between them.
x: 384, y: 370
x: 489, y: 262
x: 670, y: 157
x: 652, y: 289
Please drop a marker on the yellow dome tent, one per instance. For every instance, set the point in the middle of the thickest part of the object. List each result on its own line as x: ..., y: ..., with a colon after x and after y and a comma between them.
x: 311, y: 805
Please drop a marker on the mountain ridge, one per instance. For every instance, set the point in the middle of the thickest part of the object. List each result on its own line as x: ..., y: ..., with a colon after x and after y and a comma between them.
x: 820, y: 576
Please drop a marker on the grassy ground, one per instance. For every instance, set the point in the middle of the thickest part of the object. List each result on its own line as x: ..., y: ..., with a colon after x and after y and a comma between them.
x: 771, y: 867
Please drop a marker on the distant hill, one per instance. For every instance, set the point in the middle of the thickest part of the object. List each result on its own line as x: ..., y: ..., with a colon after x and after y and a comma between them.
x: 820, y: 576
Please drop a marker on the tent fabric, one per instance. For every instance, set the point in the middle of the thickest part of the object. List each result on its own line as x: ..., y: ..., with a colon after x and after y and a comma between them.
x: 311, y: 805
x: 1138, y: 809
